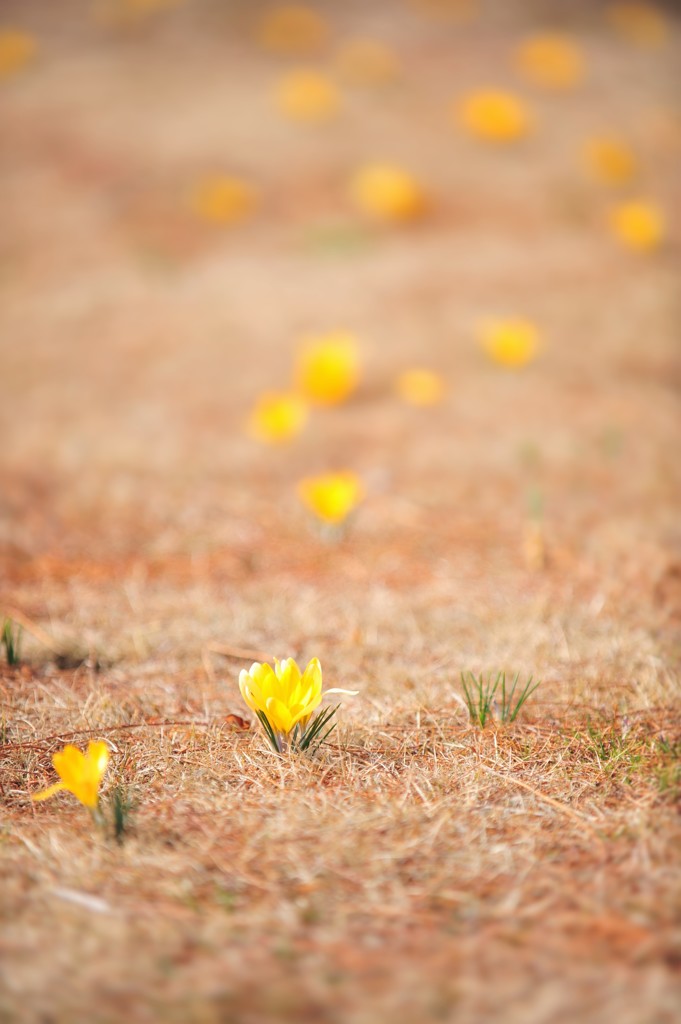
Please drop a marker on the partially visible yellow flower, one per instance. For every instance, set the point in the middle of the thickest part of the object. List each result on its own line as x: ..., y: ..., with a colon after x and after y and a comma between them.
x: 328, y: 368
x: 388, y: 193
x: 638, y: 225
x: 283, y: 695
x: 611, y: 160
x: 223, y: 200
x: 292, y: 29
x: 307, y: 95
x: 495, y: 116
x: 511, y: 343
x: 550, y: 60
x: 16, y: 50
x: 278, y: 417
x: 420, y: 387
x: 367, y: 62
x: 80, y: 774
x: 457, y: 9
x: 332, y: 496
x: 640, y: 23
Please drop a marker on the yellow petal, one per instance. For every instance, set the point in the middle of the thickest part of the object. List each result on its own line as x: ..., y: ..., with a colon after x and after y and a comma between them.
x: 45, y: 794
x: 292, y: 29
x: 495, y: 116
x: 307, y: 95
x: 279, y: 715
x: 332, y: 496
x: 511, y: 343
x: 98, y: 752
x: 420, y: 387
x: 388, y: 193
x: 278, y: 417
x: 551, y: 60
x: 328, y: 368
x: 638, y: 225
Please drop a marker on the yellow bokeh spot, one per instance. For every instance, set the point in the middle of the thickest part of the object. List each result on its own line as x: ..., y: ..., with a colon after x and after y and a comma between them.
x: 292, y: 29
x: 277, y: 417
x: 17, y: 49
x: 307, y: 95
x: 367, y: 62
x: 511, y: 343
x: 328, y: 368
x: 332, y: 496
x: 495, y: 116
x: 420, y: 387
x: 638, y: 225
x: 388, y: 193
x: 640, y: 23
x: 610, y: 160
x: 550, y: 61
x: 223, y: 200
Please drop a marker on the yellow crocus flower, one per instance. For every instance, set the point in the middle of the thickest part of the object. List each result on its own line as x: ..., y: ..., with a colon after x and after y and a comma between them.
x: 223, y: 199
x: 80, y: 774
x: 16, y: 50
x: 292, y: 29
x: 551, y: 61
x: 511, y: 343
x: 388, y: 193
x: 640, y: 23
x: 495, y: 116
x: 327, y: 368
x: 277, y: 417
x: 284, y: 695
x: 307, y: 95
x: 611, y: 160
x: 332, y: 496
x: 638, y: 225
x: 420, y: 387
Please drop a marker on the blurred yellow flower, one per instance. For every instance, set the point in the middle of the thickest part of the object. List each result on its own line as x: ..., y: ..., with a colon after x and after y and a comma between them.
x: 551, y: 61
x: 610, y: 160
x: 638, y: 225
x: 284, y: 699
x: 511, y: 343
x: 640, y: 23
x: 495, y: 116
x: 420, y: 387
x: 292, y: 29
x: 80, y: 774
x: 388, y: 193
x: 16, y: 50
x: 367, y: 62
x: 332, y: 496
x: 223, y: 200
x: 307, y: 95
x: 327, y: 368
x: 277, y: 417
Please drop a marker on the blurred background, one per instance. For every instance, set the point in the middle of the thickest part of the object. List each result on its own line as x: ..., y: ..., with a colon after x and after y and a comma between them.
x: 484, y: 193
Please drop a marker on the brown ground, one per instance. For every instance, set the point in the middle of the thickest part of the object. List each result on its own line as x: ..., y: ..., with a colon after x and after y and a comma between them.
x: 418, y: 869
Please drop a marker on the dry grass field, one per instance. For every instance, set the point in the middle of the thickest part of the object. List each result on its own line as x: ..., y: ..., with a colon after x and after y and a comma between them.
x: 418, y: 867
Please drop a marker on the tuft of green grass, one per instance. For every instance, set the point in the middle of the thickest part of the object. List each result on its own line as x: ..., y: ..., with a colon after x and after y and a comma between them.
x: 489, y: 698
x: 305, y: 739
x: 122, y: 807
x: 11, y: 641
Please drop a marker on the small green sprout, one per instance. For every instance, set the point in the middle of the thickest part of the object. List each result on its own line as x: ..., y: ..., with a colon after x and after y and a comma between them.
x: 489, y: 698
x: 11, y: 642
